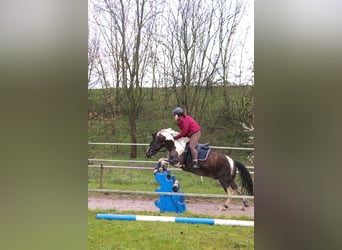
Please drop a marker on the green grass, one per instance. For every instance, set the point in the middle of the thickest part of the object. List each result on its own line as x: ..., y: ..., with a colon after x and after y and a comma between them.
x: 144, y: 180
x: 220, y: 126
x: 219, y: 119
x: 106, y: 234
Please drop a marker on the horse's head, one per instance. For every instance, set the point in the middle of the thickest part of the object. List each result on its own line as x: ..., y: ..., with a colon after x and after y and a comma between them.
x: 163, y: 138
x: 158, y: 141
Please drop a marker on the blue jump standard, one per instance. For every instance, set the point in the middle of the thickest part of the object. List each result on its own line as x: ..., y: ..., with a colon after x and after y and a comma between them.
x: 169, y: 203
x: 132, y: 217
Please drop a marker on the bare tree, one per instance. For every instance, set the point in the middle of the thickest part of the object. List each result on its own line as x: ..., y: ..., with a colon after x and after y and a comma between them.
x: 127, y: 28
x: 200, y: 44
x: 230, y: 15
x: 186, y: 47
x: 93, y: 53
x: 189, y: 45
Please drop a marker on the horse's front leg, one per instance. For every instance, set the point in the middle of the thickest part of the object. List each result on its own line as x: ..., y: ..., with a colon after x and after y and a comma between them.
x: 170, y: 161
x: 161, y: 166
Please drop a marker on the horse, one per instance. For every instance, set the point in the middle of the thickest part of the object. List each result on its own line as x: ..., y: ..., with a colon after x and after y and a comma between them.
x: 216, y: 165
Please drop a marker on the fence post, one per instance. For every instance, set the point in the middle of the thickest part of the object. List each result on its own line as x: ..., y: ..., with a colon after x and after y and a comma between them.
x: 101, y: 176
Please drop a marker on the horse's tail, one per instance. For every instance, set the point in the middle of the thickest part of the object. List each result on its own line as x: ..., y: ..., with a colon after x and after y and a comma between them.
x: 246, y: 179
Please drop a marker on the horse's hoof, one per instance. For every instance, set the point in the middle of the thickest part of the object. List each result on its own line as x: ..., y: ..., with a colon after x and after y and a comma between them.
x: 246, y: 203
x: 223, y: 208
x: 175, y: 186
x: 243, y: 209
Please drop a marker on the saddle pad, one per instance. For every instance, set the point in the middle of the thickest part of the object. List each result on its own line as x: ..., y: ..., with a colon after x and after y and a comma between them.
x: 202, y: 152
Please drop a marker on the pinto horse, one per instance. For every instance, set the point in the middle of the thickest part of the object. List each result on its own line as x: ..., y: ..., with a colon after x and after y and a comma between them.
x: 216, y: 165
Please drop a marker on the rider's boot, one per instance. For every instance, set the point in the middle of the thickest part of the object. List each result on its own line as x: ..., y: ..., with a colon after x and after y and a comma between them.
x: 195, y: 165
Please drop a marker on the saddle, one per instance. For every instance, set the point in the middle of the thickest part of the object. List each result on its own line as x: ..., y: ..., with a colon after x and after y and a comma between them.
x: 202, y: 152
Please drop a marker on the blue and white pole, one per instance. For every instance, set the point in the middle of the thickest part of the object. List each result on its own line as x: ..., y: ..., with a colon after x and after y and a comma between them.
x: 207, y: 221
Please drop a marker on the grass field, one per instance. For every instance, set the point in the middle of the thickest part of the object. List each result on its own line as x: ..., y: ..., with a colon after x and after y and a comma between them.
x: 144, y: 180
x: 106, y: 234
x: 220, y: 126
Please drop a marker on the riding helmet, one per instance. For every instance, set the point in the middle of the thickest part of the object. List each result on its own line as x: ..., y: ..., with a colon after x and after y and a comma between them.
x: 177, y: 111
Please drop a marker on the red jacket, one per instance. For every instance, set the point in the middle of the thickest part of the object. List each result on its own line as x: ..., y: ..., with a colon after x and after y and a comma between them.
x: 188, y: 126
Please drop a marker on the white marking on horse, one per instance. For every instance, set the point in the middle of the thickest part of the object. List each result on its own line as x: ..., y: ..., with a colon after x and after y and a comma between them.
x: 169, y: 133
x: 231, y: 163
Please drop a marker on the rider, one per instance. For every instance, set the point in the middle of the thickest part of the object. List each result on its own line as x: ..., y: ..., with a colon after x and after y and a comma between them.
x: 190, y: 128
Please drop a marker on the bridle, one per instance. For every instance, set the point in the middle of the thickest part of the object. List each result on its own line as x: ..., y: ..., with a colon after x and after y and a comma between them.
x: 153, y: 146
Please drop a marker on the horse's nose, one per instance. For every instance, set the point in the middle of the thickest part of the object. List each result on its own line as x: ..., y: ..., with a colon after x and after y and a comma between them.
x: 149, y: 153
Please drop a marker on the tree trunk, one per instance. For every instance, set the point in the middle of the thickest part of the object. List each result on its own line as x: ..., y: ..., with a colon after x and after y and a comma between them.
x: 133, y: 129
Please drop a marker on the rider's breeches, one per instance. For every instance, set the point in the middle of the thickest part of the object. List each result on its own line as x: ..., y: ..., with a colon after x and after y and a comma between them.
x: 194, y: 139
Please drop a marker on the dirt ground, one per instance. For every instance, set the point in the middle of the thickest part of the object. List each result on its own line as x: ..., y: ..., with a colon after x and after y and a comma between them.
x: 194, y: 205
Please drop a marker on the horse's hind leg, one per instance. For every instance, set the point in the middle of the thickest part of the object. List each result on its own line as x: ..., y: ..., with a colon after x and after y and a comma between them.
x: 238, y: 190
x: 228, y: 190
x: 225, y: 181
x: 228, y: 201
